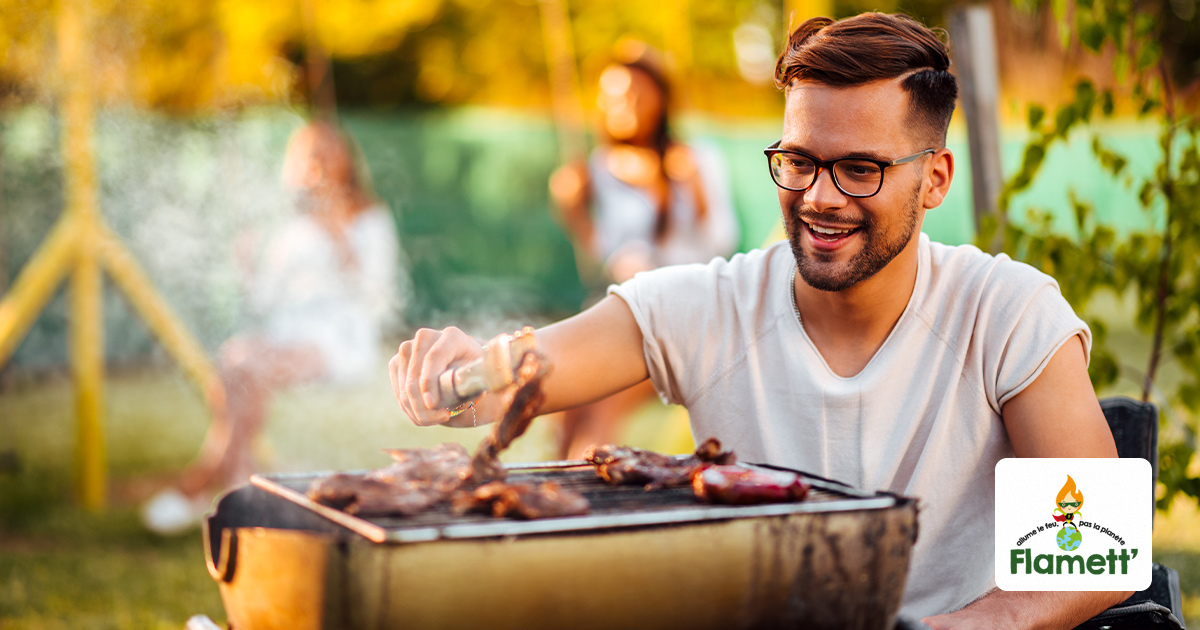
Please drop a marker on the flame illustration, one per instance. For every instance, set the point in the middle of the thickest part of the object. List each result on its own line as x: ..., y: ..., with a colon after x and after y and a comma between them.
x: 1069, y: 489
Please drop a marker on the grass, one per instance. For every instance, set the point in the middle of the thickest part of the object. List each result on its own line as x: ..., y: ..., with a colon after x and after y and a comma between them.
x: 68, y: 569
x: 61, y: 567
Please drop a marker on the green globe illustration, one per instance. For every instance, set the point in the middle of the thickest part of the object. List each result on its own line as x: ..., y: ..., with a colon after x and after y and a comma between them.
x: 1069, y: 539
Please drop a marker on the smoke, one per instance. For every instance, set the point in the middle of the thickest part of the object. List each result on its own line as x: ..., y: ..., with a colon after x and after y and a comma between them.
x: 182, y: 192
x: 179, y: 192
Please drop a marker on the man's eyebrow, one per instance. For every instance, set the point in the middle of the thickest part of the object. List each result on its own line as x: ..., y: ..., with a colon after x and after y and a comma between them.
x: 868, y: 155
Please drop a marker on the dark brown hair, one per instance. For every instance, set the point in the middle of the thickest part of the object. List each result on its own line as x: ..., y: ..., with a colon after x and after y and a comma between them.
x: 872, y: 47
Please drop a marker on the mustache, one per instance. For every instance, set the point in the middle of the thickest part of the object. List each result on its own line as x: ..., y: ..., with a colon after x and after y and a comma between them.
x: 810, y: 216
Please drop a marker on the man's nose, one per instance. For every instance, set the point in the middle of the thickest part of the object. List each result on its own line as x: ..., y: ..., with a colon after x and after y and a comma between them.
x: 824, y: 195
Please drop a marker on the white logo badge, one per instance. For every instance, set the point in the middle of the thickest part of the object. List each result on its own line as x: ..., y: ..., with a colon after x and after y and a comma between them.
x: 1073, y: 524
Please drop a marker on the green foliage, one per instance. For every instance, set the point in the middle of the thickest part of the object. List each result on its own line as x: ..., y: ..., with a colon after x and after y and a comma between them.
x: 1157, y: 265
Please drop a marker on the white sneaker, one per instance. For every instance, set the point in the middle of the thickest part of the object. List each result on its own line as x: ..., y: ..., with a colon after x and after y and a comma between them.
x: 170, y: 512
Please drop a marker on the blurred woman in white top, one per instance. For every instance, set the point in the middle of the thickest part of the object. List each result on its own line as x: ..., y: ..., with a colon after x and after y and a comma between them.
x: 641, y: 201
x: 319, y: 297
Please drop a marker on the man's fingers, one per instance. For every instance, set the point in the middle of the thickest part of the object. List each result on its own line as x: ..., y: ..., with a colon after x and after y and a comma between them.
x: 394, y: 367
x: 397, y: 370
x: 444, y: 351
x: 417, y: 366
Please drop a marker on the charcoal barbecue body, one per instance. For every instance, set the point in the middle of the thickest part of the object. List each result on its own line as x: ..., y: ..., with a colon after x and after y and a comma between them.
x: 646, y: 560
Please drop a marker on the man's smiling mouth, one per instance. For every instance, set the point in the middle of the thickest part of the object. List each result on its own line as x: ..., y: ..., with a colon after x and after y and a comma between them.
x: 829, y: 234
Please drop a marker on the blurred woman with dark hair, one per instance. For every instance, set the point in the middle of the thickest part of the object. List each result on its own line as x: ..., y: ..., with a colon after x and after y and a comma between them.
x: 641, y: 201
x: 320, y: 295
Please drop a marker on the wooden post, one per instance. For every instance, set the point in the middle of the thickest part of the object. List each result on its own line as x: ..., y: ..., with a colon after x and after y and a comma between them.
x: 318, y: 68
x: 87, y: 314
x: 973, y: 44
x: 564, y: 80
x: 677, y: 38
x: 81, y: 246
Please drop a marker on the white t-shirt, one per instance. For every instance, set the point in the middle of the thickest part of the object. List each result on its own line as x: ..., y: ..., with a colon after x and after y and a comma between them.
x: 624, y: 215
x: 303, y: 294
x: 921, y: 419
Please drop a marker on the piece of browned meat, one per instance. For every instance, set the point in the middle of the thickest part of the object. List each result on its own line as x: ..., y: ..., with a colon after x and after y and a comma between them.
x: 444, y: 467
x: 417, y: 479
x: 368, y: 496
x: 619, y: 465
x: 522, y: 400
x: 422, y: 477
x: 521, y: 500
x: 743, y: 486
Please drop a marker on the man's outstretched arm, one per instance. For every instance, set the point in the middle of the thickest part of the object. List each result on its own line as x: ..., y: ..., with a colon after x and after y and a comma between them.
x: 1060, y: 402
x: 594, y: 354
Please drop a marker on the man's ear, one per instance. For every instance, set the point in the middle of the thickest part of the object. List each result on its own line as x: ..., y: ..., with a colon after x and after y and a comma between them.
x: 938, y: 178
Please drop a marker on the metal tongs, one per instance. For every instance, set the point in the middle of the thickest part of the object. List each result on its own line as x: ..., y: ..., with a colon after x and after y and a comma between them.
x: 494, y: 371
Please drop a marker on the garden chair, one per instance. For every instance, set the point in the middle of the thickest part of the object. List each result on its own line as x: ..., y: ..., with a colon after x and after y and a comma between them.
x: 1134, y: 427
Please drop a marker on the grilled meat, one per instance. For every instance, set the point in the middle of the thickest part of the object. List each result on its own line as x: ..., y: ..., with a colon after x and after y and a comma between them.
x: 369, y: 496
x: 444, y: 467
x: 422, y: 477
x: 521, y: 500
x: 619, y: 465
x: 742, y: 486
x: 417, y: 479
x: 522, y: 400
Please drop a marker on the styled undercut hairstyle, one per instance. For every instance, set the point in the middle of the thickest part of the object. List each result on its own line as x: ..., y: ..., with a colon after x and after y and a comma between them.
x: 872, y: 47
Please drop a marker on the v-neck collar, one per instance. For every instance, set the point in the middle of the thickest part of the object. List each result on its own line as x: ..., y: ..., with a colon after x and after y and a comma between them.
x: 918, y: 293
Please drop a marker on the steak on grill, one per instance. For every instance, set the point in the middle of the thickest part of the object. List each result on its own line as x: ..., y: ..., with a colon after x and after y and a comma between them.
x: 521, y: 500
x: 421, y: 477
x: 521, y: 402
x: 417, y: 479
x: 619, y: 465
x: 741, y: 486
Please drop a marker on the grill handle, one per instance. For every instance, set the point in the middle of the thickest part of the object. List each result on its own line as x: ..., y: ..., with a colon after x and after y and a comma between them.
x: 222, y: 561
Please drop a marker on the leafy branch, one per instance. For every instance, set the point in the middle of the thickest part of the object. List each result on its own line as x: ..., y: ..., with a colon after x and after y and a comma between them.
x: 1157, y: 264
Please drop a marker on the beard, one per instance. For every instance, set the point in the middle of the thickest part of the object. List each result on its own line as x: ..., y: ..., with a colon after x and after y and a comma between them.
x: 878, y: 249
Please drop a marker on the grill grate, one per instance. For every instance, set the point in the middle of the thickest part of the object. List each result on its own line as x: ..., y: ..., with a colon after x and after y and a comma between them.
x: 611, y: 507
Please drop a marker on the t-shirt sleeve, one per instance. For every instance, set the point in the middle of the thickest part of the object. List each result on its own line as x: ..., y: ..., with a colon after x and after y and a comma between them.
x: 1031, y: 321
x: 681, y: 311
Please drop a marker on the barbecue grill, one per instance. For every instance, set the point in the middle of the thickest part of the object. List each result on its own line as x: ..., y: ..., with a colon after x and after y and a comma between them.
x: 641, y: 559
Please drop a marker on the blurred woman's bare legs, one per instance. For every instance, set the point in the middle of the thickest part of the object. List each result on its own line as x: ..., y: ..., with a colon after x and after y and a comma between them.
x: 251, y: 368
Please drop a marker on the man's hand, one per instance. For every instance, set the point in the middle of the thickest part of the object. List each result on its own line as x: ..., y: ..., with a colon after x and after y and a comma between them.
x: 418, y: 364
x: 595, y: 354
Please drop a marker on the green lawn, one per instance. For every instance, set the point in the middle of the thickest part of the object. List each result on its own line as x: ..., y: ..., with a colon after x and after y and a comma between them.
x: 61, y: 567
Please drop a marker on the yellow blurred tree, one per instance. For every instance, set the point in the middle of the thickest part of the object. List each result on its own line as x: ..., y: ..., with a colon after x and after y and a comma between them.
x: 184, y: 56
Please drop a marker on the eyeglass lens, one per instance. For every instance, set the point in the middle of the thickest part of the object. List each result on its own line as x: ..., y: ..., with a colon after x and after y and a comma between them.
x: 853, y: 177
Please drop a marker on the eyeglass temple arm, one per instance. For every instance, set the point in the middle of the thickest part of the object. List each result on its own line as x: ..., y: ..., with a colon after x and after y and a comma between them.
x: 911, y: 158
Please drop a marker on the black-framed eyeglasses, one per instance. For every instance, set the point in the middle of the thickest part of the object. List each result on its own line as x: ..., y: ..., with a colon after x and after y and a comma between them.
x: 855, y: 177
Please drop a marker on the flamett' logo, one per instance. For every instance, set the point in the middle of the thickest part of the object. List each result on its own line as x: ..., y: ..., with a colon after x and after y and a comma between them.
x: 1106, y: 549
x: 1069, y: 538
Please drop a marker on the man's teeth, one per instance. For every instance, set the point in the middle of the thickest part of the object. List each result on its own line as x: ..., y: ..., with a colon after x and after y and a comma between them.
x: 824, y: 230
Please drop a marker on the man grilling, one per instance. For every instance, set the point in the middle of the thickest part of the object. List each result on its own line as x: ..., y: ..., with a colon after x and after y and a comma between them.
x: 860, y: 351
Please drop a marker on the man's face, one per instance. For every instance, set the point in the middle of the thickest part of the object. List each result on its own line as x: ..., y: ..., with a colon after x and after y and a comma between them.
x: 864, y: 121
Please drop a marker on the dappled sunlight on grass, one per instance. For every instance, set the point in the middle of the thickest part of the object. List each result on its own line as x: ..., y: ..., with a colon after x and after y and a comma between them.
x: 63, y: 568
x: 70, y: 569
x: 1177, y: 545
